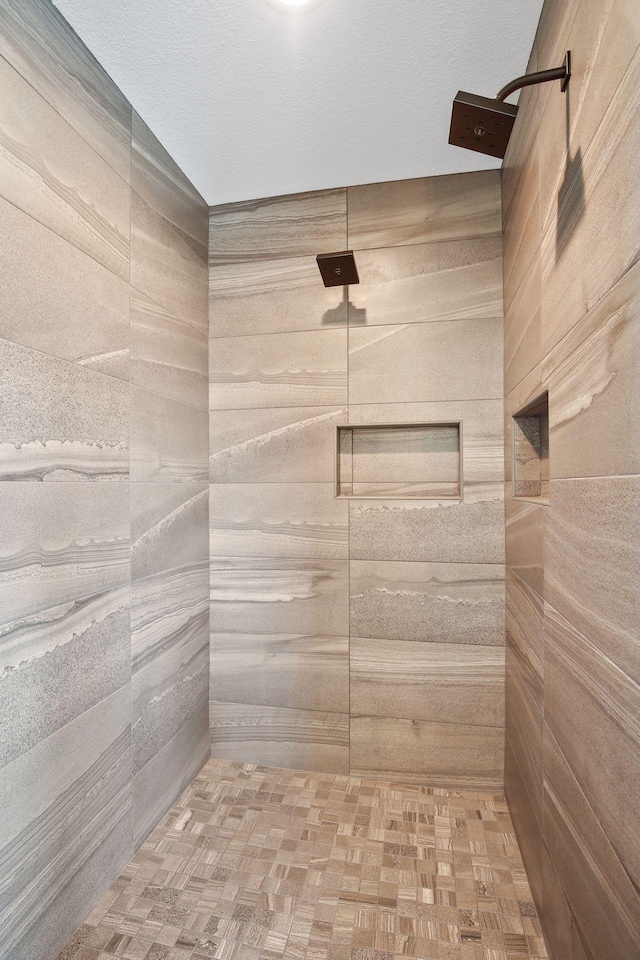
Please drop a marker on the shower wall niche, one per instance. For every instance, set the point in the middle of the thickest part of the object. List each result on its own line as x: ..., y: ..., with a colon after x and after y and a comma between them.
x: 399, y: 460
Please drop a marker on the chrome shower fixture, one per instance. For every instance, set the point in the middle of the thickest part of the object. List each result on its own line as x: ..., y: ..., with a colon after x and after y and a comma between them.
x: 338, y: 269
x: 484, y: 124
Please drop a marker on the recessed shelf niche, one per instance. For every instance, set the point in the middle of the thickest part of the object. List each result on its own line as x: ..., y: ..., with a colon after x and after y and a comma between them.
x: 420, y: 461
x: 531, y: 451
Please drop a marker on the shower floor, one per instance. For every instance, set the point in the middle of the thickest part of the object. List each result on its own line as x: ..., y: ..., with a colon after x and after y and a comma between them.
x: 254, y: 863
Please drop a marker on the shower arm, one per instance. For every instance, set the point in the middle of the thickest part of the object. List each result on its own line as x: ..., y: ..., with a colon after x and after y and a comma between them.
x: 542, y: 76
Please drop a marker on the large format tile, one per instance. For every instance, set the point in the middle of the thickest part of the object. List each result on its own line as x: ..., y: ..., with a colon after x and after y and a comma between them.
x: 449, y: 755
x: 57, y: 299
x: 277, y: 520
x: 168, y: 356
x: 49, y: 835
x: 445, y: 531
x: 458, y: 360
x: 593, y: 711
x: 290, y: 445
x: 424, y: 210
x: 527, y: 827
x: 456, y: 280
x: 443, y: 603
x: 272, y: 296
x: 299, y: 224
x: 169, y: 526
x: 157, y: 179
x: 601, y: 199
x: 305, y: 739
x: 525, y: 525
x: 168, y: 265
x: 600, y: 893
x: 168, y: 439
x: 562, y: 934
x: 162, y: 780
x: 64, y: 598
x: 40, y: 44
x: 525, y: 633
x: 280, y: 596
x: 281, y: 670
x: 52, y: 174
x: 170, y: 655
x: 593, y: 580
x: 59, y: 421
x: 278, y: 370
x: 481, y: 425
x: 523, y: 328
x: 442, y: 682
x: 524, y: 719
x: 593, y: 375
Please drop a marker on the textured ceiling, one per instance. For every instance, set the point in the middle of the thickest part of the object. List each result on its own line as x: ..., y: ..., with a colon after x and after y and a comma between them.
x: 254, y: 99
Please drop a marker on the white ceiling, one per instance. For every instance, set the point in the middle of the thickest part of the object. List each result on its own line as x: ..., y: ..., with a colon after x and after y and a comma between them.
x: 254, y: 99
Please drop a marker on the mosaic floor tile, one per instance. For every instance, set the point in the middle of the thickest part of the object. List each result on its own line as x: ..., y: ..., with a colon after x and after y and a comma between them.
x: 258, y: 863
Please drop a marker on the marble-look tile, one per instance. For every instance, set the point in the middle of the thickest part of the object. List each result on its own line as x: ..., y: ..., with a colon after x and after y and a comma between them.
x: 277, y: 520
x: 168, y: 439
x: 593, y: 376
x: 169, y: 524
x: 441, y: 682
x: 603, y: 39
x: 601, y: 199
x: 290, y: 445
x: 425, y: 210
x: 168, y: 356
x: 593, y: 711
x: 170, y: 655
x: 450, y: 755
x: 162, y: 780
x: 444, y: 531
x: 304, y: 739
x: 525, y: 526
x: 592, y: 580
x: 59, y: 421
x: 50, y: 835
x: 561, y: 931
x: 278, y: 370
x: 157, y: 179
x: 527, y: 827
x: 442, y: 603
x: 458, y: 360
x: 455, y: 280
x: 525, y: 633
x: 280, y: 596
x: 272, y: 296
x: 40, y: 44
x: 168, y: 265
x: 281, y: 670
x: 524, y: 719
x: 52, y: 174
x: 523, y: 328
x: 56, y: 299
x: 295, y: 225
x: 64, y: 598
x: 601, y: 894
x: 481, y: 425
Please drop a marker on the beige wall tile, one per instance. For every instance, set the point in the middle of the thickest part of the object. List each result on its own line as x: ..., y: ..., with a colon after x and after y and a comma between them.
x: 168, y: 439
x: 424, y: 210
x: 168, y: 526
x: 523, y: 328
x: 281, y: 670
x: 439, y: 754
x: 287, y: 445
x: 278, y: 370
x: 456, y: 280
x: 525, y: 525
x: 558, y: 922
x: 444, y: 603
x: 460, y: 360
x: 441, y: 682
x: 280, y: 596
x: 272, y: 296
x: 524, y: 718
x: 277, y: 520
x: 299, y: 224
x: 527, y: 827
x: 52, y: 174
x: 304, y: 739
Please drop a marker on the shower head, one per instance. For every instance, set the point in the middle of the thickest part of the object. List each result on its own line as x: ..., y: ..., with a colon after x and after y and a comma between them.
x: 338, y: 269
x: 481, y: 124
x: 484, y: 124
